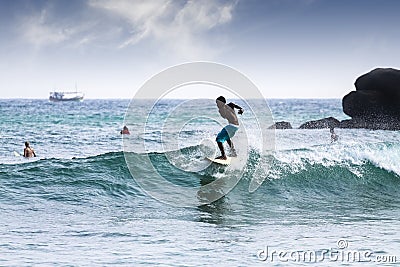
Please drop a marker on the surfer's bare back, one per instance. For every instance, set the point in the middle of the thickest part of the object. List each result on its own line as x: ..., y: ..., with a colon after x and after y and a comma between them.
x: 227, y: 111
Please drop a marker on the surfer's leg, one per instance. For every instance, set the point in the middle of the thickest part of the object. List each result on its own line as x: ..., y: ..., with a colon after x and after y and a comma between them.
x: 221, y: 138
x: 229, y: 143
x: 233, y: 151
x: 221, y: 148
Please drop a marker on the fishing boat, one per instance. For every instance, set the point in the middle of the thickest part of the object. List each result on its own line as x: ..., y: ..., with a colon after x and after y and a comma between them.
x: 66, y: 96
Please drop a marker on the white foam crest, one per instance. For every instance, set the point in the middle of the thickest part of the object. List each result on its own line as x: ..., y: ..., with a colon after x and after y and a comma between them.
x: 298, y: 148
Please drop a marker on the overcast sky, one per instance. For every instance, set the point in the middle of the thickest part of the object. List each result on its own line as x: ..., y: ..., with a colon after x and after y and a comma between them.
x: 288, y: 48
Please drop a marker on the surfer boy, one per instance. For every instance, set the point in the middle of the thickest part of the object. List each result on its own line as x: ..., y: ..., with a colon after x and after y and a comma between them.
x: 334, y: 136
x: 28, y: 151
x: 227, y: 111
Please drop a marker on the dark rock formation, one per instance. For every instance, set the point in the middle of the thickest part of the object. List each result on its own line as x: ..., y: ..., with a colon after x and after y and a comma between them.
x: 352, y: 124
x: 376, y: 102
x: 281, y: 125
x: 374, y: 125
x: 374, y: 105
x: 320, y: 124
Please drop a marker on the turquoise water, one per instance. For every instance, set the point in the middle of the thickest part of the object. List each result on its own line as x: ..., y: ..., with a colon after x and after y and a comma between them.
x: 77, y: 204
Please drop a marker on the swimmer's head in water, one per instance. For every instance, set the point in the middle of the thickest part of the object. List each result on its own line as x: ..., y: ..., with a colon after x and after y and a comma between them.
x: 27, y: 144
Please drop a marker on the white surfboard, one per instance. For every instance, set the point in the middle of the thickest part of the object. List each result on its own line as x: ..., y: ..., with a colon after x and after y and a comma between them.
x: 16, y: 154
x: 227, y: 161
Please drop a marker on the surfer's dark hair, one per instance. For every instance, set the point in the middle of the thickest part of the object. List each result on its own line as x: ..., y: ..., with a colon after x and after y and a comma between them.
x: 222, y: 99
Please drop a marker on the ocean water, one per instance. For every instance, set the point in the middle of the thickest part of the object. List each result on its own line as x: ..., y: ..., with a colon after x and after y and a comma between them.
x: 78, y: 204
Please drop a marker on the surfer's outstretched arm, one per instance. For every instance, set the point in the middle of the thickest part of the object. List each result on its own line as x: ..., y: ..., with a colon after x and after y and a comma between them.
x: 233, y: 106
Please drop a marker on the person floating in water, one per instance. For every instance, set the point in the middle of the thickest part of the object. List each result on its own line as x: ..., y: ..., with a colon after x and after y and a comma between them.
x: 334, y: 136
x: 227, y: 111
x: 28, y: 151
x: 125, y: 130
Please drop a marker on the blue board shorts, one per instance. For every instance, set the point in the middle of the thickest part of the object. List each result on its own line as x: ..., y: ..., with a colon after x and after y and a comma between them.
x: 227, y: 133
